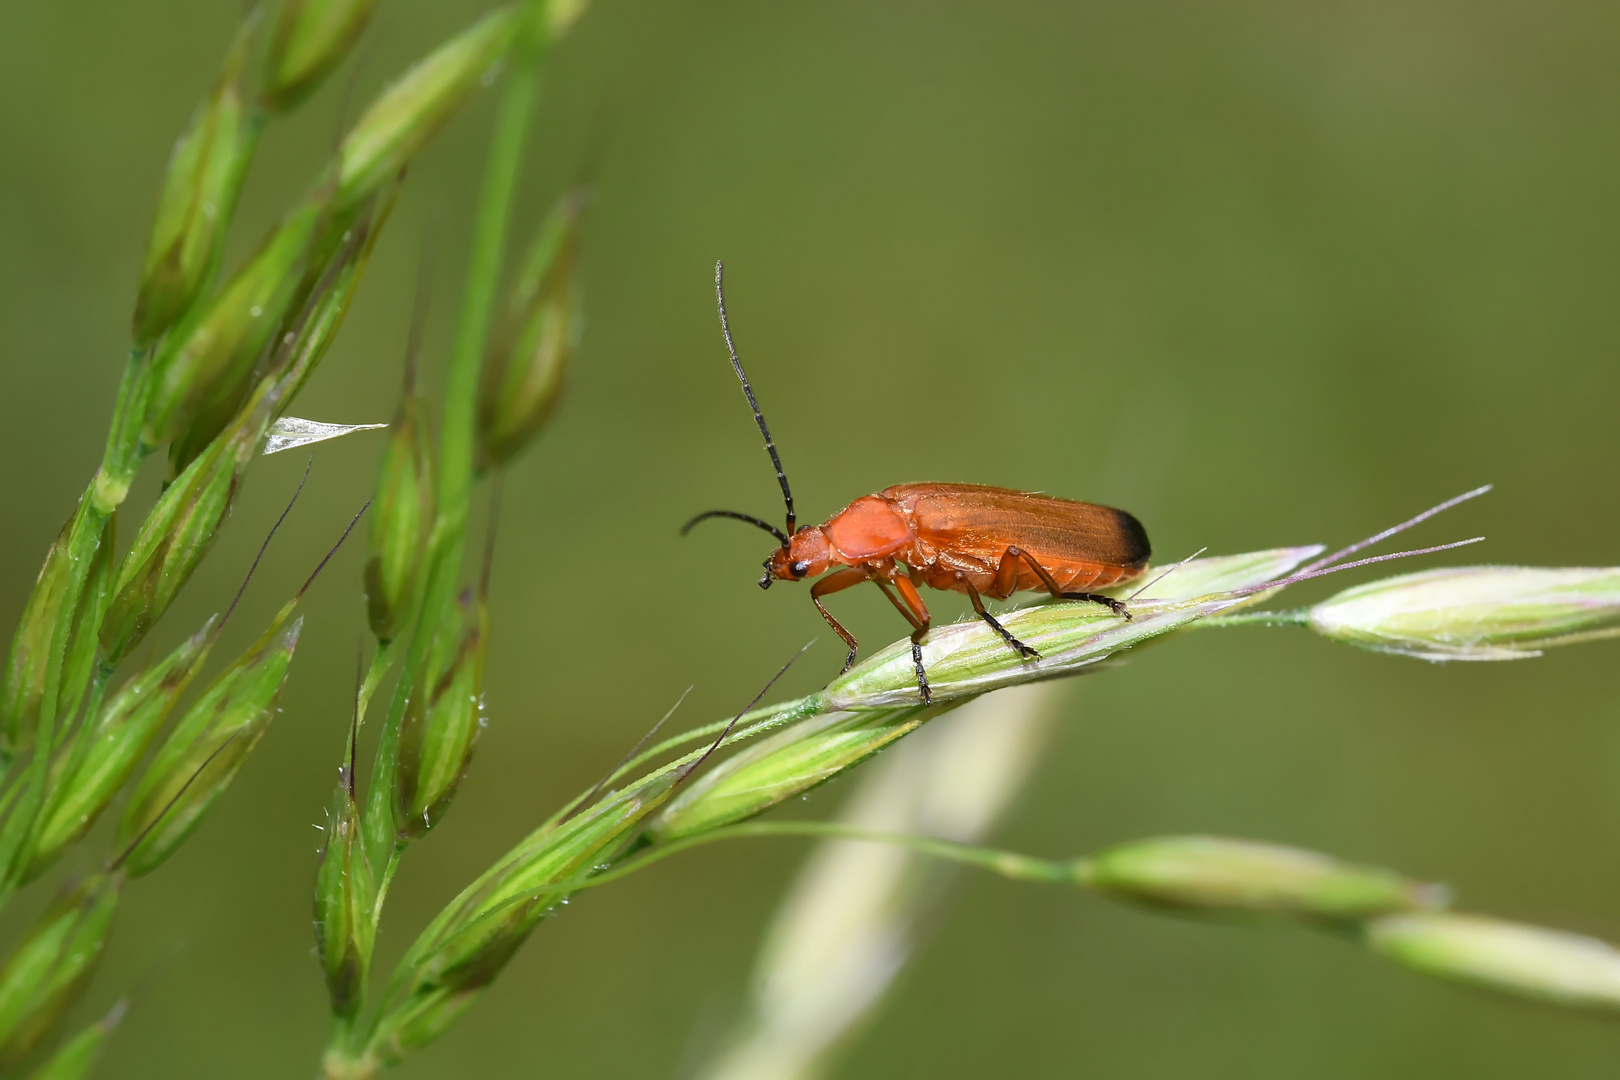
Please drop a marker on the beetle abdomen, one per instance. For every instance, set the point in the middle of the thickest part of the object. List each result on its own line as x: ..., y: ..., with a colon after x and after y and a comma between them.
x: 1082, y: 545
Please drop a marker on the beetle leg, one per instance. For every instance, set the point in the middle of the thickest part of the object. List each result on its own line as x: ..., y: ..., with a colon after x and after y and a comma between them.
x: 910, y: 604
x: 832, y: 583
x: 1008, y: 571
x: 1006, y: 635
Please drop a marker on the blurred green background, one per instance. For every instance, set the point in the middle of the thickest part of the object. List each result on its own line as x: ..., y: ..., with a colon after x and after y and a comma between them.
x: 1263, y: 273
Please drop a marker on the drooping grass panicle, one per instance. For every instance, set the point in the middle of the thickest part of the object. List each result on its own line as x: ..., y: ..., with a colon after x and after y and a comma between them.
x: 209, y: 373
x: 1397, y: 917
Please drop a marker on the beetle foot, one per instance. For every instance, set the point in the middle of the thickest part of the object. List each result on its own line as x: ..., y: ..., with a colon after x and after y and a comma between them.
x: 1116, y: 606
x: 922, y: 674
x: 1006, y: 635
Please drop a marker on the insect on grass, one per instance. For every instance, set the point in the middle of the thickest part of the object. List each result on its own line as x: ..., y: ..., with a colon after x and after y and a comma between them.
x: 966, y: 538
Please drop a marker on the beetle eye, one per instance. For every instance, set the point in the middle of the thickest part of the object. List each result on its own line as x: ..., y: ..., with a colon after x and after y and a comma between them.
x: 799, y: 569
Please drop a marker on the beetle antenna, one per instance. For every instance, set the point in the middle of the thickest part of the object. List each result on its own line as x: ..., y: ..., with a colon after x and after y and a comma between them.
x: 748, y: 391
x: 733, y: 514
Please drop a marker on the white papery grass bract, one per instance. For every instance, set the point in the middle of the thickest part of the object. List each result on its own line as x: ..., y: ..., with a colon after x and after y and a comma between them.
x: 291, y: 432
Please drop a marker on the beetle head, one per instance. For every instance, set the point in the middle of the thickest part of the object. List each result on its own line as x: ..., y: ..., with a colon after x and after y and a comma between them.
x: 807, y: 554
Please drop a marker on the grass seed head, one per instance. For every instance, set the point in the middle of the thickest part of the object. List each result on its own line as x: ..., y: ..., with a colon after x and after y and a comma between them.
x: 204, y: 176
x: 48, y: 971
x: 1475, y: 612
x: 341, y: 256
x: 1218, y: 876
x: 524, y: 369
x: 204, y: 361
x: 175, y: 536
x: 344, y: 895
x: 1525, y: 961
x: 311, y: 38
x: 877, y: 702
x: 402, y: 513
x: 199, y: 759
x: 59, y: 610
x: 408, y: 113
x: 442, y: 722
x: 969, y: 658
x: 782, y: 766
x: 307, y: 330
x: 471, y: 940
x: 115, y: 743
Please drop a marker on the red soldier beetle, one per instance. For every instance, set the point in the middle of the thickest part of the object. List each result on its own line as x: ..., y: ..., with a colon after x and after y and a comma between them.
x: 967, y: 538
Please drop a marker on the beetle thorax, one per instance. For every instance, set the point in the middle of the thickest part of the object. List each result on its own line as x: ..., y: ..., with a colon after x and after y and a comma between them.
x: 869, y: 529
